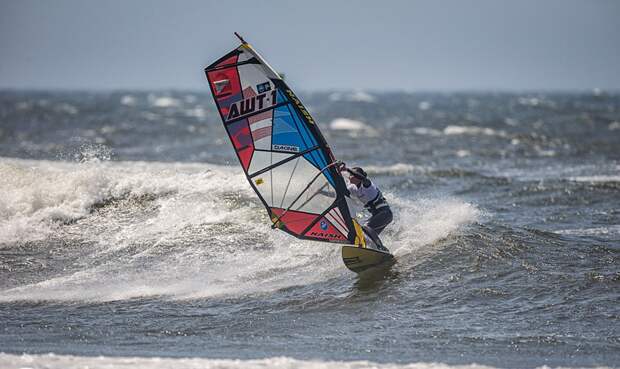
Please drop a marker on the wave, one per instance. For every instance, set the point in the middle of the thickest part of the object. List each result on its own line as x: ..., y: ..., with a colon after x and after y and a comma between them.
x: 345, y: 124
x: 402, y: 169
x: 397, y: 169
x: 354, y: 96
x: 426, y: 131
x: 423, y: 222
x: 595, y: 173
x: 177, y: 231
x: 163, y: 101
x: 353, y: 127
x: 594, y: 231
x: 52, y: 361
x: 201, y: 225
x: 473, y: 130
x: 40, y: 195
x: 596, y: 179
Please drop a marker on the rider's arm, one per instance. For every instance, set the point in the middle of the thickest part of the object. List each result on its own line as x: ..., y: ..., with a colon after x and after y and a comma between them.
x: 351, y: 188
x: 341, y: 167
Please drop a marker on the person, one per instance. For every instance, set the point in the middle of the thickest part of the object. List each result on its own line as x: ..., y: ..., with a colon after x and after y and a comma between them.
x: 369, y: 194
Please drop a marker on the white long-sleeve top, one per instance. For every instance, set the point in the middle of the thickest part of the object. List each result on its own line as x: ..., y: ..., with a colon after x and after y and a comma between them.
x: 362, y: 193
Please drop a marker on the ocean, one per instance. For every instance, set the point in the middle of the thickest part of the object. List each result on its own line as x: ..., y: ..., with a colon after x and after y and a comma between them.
x: 129, y: 236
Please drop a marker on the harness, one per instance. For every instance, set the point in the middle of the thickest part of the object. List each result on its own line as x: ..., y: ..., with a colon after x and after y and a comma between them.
x: 377, y: 203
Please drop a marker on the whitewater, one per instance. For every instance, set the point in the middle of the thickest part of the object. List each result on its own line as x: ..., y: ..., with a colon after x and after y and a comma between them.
x: 191, y: 217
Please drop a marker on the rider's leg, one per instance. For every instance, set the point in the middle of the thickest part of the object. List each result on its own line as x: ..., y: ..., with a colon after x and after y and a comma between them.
x: 380, y: 220
x: 376, y: 224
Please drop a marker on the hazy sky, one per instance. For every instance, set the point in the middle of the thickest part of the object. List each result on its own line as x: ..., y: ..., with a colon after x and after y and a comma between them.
x: 377, y: 45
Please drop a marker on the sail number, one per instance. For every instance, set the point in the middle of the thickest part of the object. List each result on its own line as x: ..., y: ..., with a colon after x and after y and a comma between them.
x: 252, y: 104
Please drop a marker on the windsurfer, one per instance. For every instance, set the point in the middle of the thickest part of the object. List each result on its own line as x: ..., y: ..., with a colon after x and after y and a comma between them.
x: 369, y: 194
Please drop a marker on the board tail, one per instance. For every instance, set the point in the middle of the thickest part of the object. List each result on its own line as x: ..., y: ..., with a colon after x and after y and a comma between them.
x: 358, y: 259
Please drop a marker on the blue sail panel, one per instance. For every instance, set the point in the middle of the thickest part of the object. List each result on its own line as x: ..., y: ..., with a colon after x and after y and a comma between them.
x: 286, y: 135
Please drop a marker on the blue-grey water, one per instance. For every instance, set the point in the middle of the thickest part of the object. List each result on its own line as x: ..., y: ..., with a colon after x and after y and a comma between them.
x: 127, y: 229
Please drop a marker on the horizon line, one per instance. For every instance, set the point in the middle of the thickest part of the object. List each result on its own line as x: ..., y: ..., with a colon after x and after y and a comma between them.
x: 593, y: 90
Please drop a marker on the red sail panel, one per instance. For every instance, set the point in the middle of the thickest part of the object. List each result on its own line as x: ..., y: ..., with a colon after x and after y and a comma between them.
x: 241, y: 138
x: 294, y: 221
x: 324, y: 230
x: 225, y: 84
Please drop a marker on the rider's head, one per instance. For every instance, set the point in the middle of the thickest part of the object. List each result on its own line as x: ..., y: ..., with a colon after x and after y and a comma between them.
x: 357, y: 175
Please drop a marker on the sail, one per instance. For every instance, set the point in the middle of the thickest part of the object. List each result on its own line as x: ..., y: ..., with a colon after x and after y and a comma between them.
x: 281, y: 150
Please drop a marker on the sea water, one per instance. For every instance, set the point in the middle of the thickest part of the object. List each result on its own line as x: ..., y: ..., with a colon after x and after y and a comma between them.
x: 129, y: 236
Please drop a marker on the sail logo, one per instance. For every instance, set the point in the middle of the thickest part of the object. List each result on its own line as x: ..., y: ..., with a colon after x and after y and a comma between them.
x: 287, y: 148
x: 263, y: 87
x: 300, y: 106
x: 251, y: 104
x: 323, y: 225
x: 221, y: 85
x: 326, y: 235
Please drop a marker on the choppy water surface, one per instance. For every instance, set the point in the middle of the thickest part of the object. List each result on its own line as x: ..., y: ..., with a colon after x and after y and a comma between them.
x: 127, y: 230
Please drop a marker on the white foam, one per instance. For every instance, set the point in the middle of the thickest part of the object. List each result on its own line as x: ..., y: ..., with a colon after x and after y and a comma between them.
x: 345, y: 124
x: 463, y: 153
x: 472, y: 130
x: 33, y: 198
x: 544, y: 152
x: 420, y: 223
x: 596, y: 178
x: 394, y: 169
x: 52, y: 361
x: 204, y: 233
x: 529, y: 101
x: 353, y: 127
x: 594, y: 172
x: 424, y: 105
x: 186, y: 248
x: 164, y: 102
x: 190, y: 275
x: 36, y: 195
x: 355, y: 96
x: 425, y: 131
x: 128, y: 100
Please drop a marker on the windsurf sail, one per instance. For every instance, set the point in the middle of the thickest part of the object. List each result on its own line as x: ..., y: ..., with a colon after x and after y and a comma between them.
x: 281, y: 149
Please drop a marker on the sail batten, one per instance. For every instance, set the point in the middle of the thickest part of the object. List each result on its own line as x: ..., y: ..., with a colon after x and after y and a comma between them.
x: 283, y: 154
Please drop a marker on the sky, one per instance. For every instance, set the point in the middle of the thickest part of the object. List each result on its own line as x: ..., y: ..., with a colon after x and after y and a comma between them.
x: 435, y: 45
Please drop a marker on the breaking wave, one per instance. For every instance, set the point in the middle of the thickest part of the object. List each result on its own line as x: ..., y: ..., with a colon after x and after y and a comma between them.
x: 176, y: 231
x: 52, y: 361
